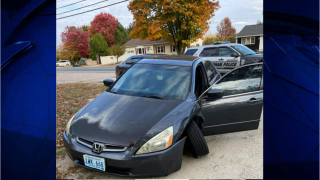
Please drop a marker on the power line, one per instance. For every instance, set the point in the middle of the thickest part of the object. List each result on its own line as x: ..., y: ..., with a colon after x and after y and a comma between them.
x: 71, y: 4
x: 93, y: 9
x: 83, y: 7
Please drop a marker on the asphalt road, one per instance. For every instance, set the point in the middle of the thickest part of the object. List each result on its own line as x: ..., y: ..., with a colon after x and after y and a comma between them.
x: 88, y: 69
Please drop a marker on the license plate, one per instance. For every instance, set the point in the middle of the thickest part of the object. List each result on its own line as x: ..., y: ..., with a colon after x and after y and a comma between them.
x: 94, y: 162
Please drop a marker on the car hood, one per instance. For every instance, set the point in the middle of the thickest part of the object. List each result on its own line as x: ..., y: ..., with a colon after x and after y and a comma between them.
x: 119, y: 119
x: 259, y: 56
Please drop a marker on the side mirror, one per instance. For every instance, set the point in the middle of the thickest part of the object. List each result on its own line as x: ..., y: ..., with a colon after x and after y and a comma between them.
x: 234, y: 55
x: 108, y: 82
x: 215, y: 93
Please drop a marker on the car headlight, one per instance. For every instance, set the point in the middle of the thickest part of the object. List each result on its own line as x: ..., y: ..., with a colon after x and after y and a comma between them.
x: 242, y: 62
x: 68, y: 125
x: 160, y: 142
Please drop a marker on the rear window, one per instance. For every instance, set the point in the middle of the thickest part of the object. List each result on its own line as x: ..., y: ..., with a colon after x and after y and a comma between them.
x: 190, y: 52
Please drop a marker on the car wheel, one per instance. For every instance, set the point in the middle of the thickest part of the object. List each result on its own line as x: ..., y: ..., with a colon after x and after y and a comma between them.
x: 196, y: 139
x: 57, y: 65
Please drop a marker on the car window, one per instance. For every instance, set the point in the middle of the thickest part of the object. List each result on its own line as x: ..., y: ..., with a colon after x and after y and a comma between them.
x: 215, y: 71
x: 165, y: 81
x: 225, y: 52
x: 200, y: 80
x: 243, y: 80
x: 190, y: 52
x: 209, y: 69
x: 209, y: 52
x: 244, y: 50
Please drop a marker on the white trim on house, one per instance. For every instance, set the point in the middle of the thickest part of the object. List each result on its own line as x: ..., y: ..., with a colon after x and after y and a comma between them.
x: 261, y: 44
x: 250, y: 35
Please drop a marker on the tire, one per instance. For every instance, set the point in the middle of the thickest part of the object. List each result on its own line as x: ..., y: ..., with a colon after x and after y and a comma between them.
x: 57, y: 65
x: 198, y: 143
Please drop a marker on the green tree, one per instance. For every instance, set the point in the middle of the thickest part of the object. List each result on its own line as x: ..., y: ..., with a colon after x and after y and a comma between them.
x: 98, y: 47
x: 259, y: 22
x: 117, y: 50
x: 208, y: 39
x: 121, y: 35
x: 129, y: 29
x: 83, y: 28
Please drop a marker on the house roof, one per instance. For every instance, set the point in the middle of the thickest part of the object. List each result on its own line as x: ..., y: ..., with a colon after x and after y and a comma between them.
x: 139, y: 42
x: 250, y: 30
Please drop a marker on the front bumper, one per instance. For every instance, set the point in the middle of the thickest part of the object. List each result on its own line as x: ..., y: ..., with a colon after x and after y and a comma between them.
x: 127, y: 163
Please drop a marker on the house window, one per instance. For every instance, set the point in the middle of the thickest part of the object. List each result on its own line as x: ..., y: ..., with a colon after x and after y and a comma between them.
x: 160, y: 49
x: 248, y: 40
x: 140, y: 51
x: 243, y: 40
x: 174, y: 48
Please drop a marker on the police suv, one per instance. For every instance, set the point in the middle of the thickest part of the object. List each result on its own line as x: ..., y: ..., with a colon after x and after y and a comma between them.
x: 226, y: 56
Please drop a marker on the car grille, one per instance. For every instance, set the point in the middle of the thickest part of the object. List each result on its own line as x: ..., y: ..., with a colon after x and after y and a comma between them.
x: 106, y: 148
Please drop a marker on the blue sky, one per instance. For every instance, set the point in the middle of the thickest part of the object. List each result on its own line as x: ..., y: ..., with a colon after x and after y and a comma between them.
x: 241, y: 13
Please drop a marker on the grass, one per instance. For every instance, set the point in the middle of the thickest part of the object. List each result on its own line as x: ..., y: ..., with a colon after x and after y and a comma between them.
x: 70, y: 99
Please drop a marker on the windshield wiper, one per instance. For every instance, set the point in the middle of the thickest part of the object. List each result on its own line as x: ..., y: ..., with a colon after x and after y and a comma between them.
x: 154, y: 97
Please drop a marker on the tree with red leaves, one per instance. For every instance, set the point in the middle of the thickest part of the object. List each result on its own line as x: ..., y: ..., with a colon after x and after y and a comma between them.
x: 76, y: 39
x: 105, y: 24
x: 225, y: 29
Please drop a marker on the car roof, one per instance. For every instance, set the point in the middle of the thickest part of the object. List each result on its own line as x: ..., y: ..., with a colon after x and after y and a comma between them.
x: 179, y: 60
x: 215, y: 45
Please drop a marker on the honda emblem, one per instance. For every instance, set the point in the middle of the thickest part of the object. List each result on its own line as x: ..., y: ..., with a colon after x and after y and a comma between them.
x: 97, y: 147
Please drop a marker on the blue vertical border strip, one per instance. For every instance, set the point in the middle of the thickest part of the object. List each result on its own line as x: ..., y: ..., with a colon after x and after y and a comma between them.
x: 291, y: 94
x: 28, y: 89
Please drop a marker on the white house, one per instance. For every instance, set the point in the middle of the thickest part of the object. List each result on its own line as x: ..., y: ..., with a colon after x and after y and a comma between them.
x: 138, y: 46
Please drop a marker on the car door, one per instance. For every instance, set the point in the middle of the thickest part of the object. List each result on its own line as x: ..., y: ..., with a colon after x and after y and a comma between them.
x: 225, y: 59
x: 240, y: 107
x: 211, y: 53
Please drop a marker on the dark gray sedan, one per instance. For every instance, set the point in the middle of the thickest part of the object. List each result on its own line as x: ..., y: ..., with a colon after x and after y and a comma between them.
x: 139, y: 125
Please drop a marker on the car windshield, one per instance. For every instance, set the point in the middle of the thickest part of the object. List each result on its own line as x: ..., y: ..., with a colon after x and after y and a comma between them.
x: 244, y: 50
x: 154, y: 81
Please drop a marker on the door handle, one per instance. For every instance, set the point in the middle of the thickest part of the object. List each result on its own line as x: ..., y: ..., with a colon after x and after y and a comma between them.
x: 220, y: 59
x: 253, y: 100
